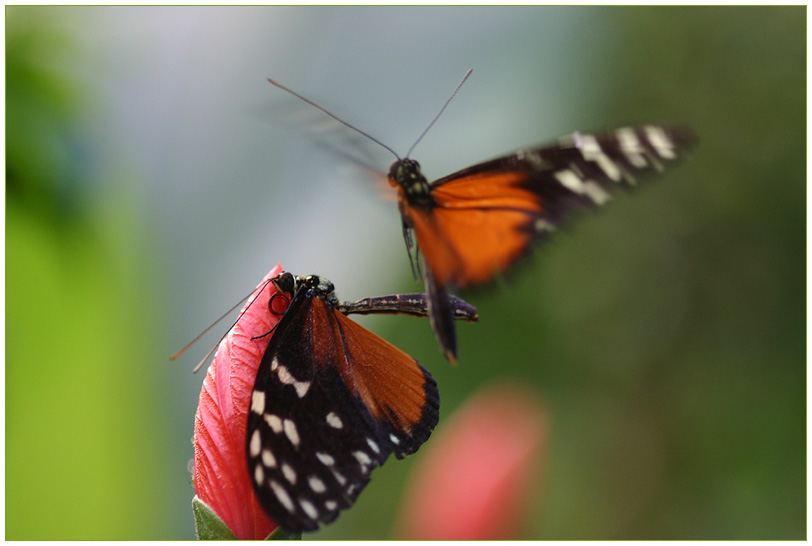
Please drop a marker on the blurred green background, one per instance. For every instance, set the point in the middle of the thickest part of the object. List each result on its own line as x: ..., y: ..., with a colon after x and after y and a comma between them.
x: 153, y: 177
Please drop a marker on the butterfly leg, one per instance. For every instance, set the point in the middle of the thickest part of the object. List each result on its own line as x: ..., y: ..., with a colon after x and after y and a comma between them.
x: 409, y: 240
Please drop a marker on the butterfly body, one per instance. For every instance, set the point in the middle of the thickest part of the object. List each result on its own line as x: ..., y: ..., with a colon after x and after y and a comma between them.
x: 331, y: 401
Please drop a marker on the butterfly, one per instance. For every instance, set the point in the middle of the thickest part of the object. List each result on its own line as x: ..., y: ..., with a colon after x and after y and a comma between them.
x: 473, y: 224
x: 478, y: 222
x: 331, y: 401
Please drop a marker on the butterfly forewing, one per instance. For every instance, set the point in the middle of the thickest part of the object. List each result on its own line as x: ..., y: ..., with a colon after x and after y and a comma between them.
x: 630, y: 149
x: 331, y: 402
x: 484, y: 217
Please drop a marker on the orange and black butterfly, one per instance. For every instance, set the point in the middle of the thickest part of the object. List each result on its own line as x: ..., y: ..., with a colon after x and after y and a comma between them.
x: 476, y: 223
x: 473, y: 224
x: 331, y: 401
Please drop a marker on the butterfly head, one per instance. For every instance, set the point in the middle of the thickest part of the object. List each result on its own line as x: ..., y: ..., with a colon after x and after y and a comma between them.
x: 286, y: 283
x: 406, y: 174
x: 313, y: 285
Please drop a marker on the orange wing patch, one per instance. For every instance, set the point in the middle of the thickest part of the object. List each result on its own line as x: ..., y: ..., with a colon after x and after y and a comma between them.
x: 477, y: 229
x: 389, y: 381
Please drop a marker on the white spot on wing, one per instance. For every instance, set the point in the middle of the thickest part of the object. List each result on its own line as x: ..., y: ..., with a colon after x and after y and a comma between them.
x: 301, y: 387
x: 289, y: 473
x: 660, y: 141
x: 268, y: 459
x: 588, y: 145
x: 258, y: 402
x: 309, y: 509
x: 256, y: 444
x: 361, y: 457
x: 282, y: 495
x: 595, y: 192
x: 274, y: 422
x: 570, y: 180
x: 316, y: 484
x: 291, y: 432
x: 591, y: 151
x: 284, y: 374
x: 259, y: 474
x: 631, y: 147
x: 331, y: 505
x: 395, y: 439
x: 373, y: 445
x: 325, y: 459
x: 334, y: 420
x: 609, y: 167
x: 287, y: 378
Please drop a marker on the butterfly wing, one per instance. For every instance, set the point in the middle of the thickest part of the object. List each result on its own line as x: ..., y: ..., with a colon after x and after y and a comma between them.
x: 479, y: 226
x: 399, y: 393
x: 440, y: 308
x: 331, y: 402
x: 486, y: 216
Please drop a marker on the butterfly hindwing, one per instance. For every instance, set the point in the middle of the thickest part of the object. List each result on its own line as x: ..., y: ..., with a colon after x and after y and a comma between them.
x: 331, y: 402
x: 400, y: 394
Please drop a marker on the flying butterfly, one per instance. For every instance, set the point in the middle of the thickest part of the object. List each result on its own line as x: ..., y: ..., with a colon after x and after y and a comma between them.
x: 473, y: 224
x: 332, y: 401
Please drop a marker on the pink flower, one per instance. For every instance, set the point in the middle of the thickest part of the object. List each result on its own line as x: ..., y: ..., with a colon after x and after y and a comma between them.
x: 480, y: 470
x: 220, y: 469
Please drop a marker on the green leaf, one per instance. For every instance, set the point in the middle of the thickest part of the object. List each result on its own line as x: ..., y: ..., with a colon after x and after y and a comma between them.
x: 208, y: 525
x: 283, y: 534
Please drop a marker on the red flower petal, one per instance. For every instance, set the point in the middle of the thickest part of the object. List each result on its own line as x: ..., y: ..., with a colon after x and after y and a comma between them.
x: 479, y: 472
x: 220, y: 469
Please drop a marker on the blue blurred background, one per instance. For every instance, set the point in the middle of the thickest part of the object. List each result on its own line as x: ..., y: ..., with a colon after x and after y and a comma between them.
x: 153, y: 176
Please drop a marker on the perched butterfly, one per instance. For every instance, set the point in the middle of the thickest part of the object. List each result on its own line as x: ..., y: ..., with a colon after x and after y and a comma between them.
x: 332, y: 401
x: 476, y: 223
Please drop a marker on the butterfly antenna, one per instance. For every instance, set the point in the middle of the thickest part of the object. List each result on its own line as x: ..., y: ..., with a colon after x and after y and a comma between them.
x: 200, y: 364
x: 440, y: 113
x: 338, y: 119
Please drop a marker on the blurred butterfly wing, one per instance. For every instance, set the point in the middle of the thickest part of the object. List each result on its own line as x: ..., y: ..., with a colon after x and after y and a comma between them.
x: 482, y: 224
x: 487, y: 215
x: 441, y: 315
x: 330, y: 403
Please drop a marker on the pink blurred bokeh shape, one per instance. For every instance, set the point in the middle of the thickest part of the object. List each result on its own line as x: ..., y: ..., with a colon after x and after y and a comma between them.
x: 481, y: 470
x: 220, y: 470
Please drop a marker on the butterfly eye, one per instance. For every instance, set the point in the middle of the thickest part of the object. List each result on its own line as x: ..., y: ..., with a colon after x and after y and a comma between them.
x: 285, y: 282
